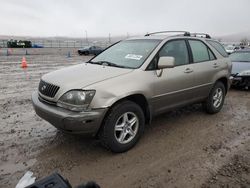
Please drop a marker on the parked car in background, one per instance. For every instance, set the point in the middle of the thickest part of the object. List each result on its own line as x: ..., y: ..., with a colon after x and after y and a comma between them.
x: 230, y: 49
x: 37, y: 46
x: 116, y: 93
x: 241, y: 68
x: 94, y: 50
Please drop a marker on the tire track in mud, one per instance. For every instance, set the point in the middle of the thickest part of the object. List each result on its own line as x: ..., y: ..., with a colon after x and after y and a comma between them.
x: 22, y: 132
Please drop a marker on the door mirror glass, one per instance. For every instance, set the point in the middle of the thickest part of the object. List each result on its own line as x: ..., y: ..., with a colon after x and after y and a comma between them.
x: 166, y: 62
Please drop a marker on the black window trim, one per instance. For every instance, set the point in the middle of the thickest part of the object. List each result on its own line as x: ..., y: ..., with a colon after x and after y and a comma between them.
x: 157, y: 54
x: 207, y: 52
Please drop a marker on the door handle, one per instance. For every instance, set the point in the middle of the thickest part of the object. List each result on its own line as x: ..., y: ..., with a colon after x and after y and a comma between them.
x: 188, y: 70
x: 215, y: 65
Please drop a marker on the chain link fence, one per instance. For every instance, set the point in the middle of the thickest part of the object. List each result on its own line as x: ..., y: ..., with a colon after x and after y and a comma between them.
x: 49, y: 47
x: 61, y: 43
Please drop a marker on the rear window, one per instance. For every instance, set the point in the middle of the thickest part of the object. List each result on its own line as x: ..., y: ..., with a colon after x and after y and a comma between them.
x: 218, y: 47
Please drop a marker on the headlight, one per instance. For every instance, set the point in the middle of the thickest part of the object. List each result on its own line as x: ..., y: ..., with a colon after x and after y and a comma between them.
x: 245, y: 73
x: 76, y: 100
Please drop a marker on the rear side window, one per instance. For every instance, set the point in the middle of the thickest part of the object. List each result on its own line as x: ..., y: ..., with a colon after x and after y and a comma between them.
x: 218, y: 47
x: 199, y: 50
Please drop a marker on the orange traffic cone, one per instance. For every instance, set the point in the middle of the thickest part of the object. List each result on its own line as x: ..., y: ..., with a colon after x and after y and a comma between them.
x: 24, y: 63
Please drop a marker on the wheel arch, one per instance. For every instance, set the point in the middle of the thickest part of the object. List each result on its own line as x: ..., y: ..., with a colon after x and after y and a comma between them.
x: 224, y: 80
x: 140, y: 100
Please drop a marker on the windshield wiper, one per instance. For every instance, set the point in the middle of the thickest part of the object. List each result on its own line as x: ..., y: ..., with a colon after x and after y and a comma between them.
x: 107, y: 63
x: 93, y: 62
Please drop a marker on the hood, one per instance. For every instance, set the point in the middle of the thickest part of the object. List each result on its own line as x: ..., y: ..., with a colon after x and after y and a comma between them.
x: 240, y: 66
x: 82, y: 75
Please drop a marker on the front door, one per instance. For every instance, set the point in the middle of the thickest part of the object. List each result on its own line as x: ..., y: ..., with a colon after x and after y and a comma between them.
x: 174, y: 86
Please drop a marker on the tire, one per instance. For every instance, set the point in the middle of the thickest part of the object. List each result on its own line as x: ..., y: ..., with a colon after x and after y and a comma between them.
x: 117, y: 131
x: 215, y: 100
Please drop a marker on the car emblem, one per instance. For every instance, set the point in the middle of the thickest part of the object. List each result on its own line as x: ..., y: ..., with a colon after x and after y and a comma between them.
x: 43, y: 88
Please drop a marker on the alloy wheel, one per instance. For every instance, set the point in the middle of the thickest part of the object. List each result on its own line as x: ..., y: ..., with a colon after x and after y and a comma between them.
x: 217, y: 97
x: 126, y: 127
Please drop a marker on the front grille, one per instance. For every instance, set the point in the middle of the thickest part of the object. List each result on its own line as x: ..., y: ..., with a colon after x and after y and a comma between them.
x: 48, y: 89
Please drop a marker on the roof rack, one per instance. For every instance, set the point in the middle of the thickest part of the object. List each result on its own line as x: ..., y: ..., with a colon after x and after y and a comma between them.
x: 185, y: 33
x: 205, y: 35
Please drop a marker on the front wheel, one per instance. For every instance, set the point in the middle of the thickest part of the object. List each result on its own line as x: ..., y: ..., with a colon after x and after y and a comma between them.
x: 215, y: 100
x: 123, y: 126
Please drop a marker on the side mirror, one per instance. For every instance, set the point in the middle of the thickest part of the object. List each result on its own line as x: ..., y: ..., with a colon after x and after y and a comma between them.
x: 166, y: 62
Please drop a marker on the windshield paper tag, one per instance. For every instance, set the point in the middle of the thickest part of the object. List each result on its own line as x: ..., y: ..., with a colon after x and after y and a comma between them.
x: 133, y: 56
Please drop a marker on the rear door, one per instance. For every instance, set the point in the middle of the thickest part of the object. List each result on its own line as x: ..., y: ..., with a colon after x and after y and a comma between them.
x: 174, y: 87
x: 205, y: 66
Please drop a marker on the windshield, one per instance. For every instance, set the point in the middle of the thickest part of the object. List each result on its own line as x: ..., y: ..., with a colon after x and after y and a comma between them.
x: 240, y: 56
x: 128, y: 54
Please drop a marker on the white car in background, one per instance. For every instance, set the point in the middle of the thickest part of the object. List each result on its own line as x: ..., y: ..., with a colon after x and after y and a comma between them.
x: 230, y: 49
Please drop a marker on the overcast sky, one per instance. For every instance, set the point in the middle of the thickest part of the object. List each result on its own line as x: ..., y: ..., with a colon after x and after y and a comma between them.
x: 119, y: 17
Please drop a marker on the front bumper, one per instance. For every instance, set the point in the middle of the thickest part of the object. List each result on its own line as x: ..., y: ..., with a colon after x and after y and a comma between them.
x: 87, y: 122
x: 241, y: 81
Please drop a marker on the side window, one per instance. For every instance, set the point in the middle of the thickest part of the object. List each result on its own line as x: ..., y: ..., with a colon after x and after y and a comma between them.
x: 153, y: 64
x: 200, y: 51
x: 211, y: 55
x: 178, y: 50
x: 218, y: 47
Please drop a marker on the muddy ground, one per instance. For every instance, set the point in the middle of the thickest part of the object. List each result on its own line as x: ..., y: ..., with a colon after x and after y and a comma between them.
x: 183, y: 148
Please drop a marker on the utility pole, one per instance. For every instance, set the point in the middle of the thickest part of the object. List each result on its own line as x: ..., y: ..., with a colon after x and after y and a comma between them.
x: 127, y: 35
x: 86, y: 35
x: 109, y: 38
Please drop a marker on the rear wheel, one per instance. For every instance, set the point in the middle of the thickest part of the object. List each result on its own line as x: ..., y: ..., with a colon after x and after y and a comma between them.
x: 215, y: 100
x: 123, y: 126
